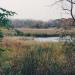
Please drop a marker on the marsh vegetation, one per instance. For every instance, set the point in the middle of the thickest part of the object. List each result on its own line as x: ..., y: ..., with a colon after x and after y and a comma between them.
x: 30, y: 57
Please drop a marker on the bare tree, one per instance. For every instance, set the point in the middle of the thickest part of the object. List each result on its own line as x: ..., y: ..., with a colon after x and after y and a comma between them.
x: 70, y: 9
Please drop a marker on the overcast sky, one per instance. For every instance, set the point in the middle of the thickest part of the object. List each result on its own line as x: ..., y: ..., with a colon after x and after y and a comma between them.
x: 33, y: 9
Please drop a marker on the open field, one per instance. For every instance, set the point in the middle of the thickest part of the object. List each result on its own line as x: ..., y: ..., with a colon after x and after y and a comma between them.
x: 50, y: 30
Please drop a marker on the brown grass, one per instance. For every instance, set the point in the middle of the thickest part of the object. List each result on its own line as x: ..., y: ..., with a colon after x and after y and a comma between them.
x: 18, y: 47
x: 50, y: 30
x: 43, y: 57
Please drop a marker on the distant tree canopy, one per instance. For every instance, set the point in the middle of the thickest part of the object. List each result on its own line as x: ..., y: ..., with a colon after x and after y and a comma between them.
x: 41, y: 24
x: 4, y: 14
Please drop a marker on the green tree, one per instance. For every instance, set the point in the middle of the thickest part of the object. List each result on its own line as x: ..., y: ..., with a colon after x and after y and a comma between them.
x: 4, y: 14
x: 4, y: 22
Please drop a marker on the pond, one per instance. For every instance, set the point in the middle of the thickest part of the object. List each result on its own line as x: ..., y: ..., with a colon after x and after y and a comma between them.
x: 47, y: 39
x: 43, y: 39
x: 54, y: 39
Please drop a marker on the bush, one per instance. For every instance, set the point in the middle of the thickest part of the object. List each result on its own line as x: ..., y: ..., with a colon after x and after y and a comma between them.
x: 1, y: 34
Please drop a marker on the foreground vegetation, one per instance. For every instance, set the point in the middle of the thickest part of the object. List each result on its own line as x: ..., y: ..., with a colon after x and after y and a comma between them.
x: 36, y: 58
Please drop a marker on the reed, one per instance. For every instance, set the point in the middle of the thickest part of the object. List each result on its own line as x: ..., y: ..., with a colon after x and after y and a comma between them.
x: 36, y: 58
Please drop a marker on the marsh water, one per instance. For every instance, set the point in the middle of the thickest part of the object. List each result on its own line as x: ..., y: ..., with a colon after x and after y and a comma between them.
x: 53, y: 39
x: 42, y: 39
x: 47, y: 39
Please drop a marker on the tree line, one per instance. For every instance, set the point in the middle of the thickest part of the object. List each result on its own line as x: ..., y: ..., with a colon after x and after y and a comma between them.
x: 16, y: 23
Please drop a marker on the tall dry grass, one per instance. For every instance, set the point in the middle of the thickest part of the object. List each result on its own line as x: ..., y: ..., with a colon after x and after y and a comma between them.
x: 37, y: 58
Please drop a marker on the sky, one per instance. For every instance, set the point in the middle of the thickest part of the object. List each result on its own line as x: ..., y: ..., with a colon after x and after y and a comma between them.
x: 33, y: 9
